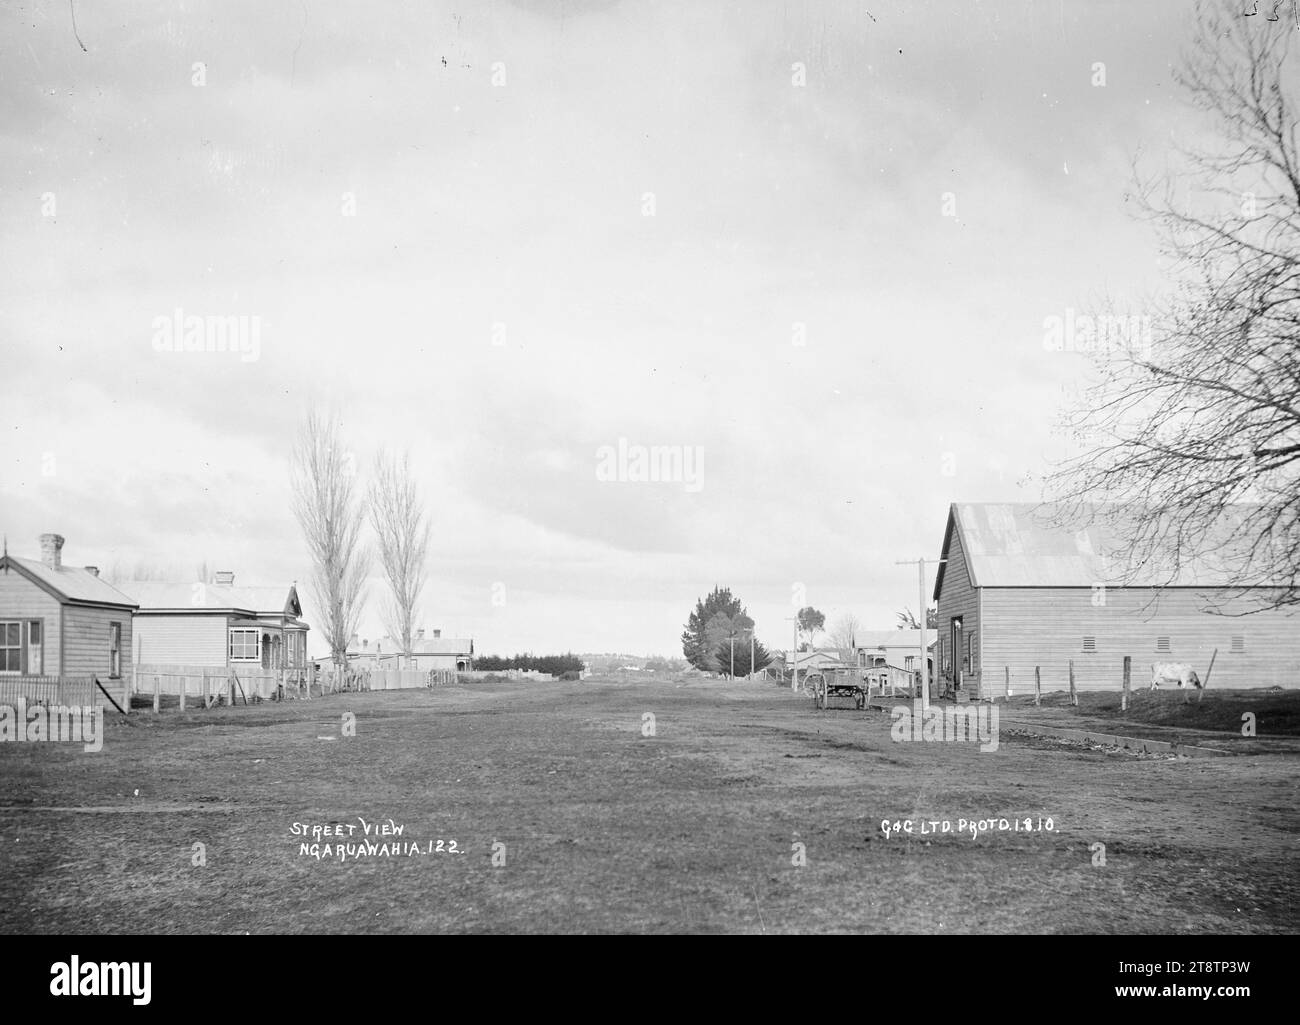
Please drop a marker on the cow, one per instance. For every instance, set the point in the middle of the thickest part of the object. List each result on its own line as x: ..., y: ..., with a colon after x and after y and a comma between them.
x: 1180, y: 673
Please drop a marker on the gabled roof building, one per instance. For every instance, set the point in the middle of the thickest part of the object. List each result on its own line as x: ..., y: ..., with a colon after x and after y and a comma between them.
x: 1024, y: 585
x: 58, y: 620
x: 215, y: 623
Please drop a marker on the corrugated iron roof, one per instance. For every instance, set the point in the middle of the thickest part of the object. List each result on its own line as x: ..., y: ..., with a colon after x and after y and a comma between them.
x: 1029, y: 544
x: 157, y: 596
x: 74, y: 583
x: 876, y: 640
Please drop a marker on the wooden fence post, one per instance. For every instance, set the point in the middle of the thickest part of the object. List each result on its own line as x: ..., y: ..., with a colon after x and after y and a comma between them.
x: 157, y: 688
x: 1074, y: 694
x: 1128, y: 667
x: 1038, y: 685
x: 1006, y: 672
x: 134, y: 687
x: 185, y: 685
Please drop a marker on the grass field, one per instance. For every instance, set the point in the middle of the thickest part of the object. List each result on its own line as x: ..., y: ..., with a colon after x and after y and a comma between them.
x: 746, y: 811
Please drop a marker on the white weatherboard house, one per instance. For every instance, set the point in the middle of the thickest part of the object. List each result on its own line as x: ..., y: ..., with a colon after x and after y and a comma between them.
x: 1024, y: 587
x: 218, y: 625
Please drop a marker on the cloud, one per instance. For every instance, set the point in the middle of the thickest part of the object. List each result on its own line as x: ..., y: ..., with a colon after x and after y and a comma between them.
x: 645, y: 230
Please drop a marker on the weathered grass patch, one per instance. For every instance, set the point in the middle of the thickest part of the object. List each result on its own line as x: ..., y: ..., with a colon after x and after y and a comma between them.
x: 746, y: 811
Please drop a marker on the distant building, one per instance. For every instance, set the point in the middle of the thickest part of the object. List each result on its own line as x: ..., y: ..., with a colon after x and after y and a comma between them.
x: 820, y: 660
x: 1020, y: 589
x: 899, y: 649
x: 434, y: 652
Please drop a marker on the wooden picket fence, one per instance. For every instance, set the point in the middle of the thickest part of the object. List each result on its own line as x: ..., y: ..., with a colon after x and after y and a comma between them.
x: 64, y: 690
x: 385, y: 679
x: 204, y: 686
x: 891, y: 678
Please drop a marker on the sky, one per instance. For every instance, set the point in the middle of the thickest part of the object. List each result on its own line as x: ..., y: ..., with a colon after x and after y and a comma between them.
x: 806, y: 250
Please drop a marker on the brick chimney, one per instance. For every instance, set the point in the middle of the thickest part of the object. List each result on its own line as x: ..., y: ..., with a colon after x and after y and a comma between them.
x: 223, y: 578
x: 51, y: 550
x: 437, y: 634
x: 93, y: 570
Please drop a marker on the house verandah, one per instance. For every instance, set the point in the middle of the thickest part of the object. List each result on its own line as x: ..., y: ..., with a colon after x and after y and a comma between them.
x: 255, y: 643
x: 213, y: 639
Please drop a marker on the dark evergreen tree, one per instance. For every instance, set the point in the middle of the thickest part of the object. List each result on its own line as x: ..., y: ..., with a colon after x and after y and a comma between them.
x: 696, y: 644
x: 762, y: 657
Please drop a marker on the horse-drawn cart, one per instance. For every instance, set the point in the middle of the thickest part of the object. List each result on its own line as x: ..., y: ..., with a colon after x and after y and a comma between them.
x: 838, y: 685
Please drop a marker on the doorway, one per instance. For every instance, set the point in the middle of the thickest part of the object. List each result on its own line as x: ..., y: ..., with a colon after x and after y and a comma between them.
x: 955, y: 639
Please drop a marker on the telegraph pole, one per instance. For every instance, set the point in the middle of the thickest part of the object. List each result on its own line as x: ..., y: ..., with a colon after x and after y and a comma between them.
x: 794, y: 653
x: 925, y: 667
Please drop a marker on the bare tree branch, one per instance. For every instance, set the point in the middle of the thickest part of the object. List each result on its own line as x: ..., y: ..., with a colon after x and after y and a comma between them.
x: 845, y: 630
x: 329, y: 511
x: 1191, y: 434
x: 402, y: 533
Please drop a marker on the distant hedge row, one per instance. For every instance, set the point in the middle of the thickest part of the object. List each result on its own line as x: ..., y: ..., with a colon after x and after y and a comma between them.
x: 556, y: 665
